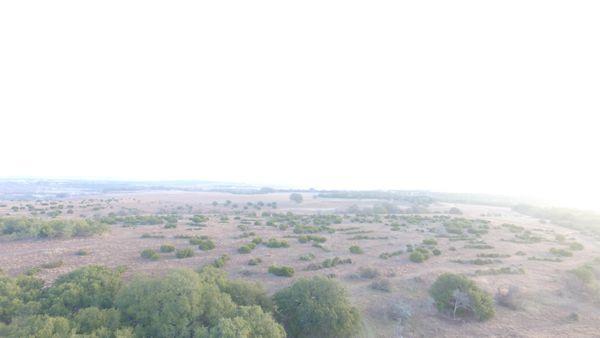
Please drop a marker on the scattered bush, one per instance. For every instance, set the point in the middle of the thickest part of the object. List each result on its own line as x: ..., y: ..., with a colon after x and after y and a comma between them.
x: 509, y: 297
x: 458, y: 295
x: 221, y: 261
x: 419, y: 255
x: 368, y: 273
x: 206, y: 244
x: 52, y: 264
x: 283, y: 271
x: 382, y: 285
x: 355, y: 249
x: 575, y: 246
x: 274, y: 243
x: 246, y: 248
x: 430, y: 241
x: 82, y: 252
x: 328, y: 263
x: 254, y: 261
x: 561, y: 252
x: 166, y: 248
x: 184, y: 253
x: 150, y: 254
x: 387, y: 255
x: 307, y: 257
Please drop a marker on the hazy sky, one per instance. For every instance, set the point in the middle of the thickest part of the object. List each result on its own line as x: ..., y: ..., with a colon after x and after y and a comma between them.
x: 470, y: 96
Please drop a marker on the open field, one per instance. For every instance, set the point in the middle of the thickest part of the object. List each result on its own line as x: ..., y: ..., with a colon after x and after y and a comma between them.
x: 495, y: 246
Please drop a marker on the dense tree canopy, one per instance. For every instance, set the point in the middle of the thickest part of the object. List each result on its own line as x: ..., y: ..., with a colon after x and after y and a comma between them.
x: 94, y: 302
x: 316, y: 307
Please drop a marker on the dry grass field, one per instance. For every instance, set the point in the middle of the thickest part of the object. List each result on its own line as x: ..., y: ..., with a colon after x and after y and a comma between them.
x: 496, y: 247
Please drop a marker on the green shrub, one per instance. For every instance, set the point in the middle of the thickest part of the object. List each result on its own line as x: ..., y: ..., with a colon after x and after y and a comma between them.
x: 283, y: 271
x: 52, y: 264
x: 254, y: 261
x: 368, y: 273
x: 88, y: 286
x: 328, y: 263
x: 429, y: 241
x: 184, y: 253
x: 458, y: 295
x: 221, y: 261
x: 575, y: 246
x: 82, y: 252
x: 436, y: 252
x: 561, y: 252
x: 247, y: 248
x: 150, y: 254
x: 419, y: 255
x: 317, y: 307
x: 165, y: 248
x: 274, y: 243
x: 386, y: 255
x: 585, y: 273
x: 355, y: 249
x: 307, y: 257
x: 382, y: 285
x: 206, y: 244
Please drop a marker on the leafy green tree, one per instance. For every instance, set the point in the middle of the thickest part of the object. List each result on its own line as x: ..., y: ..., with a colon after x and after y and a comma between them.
x: 240, y: 291
x: 249, y: 321
x: 92, y: 318
x: 40, y: 326
x: 9, y: 298
x: 246, y: 293
x: 459, y: 295
x: 85, y: 287
x: 176, y: 305
x: 317, y: 307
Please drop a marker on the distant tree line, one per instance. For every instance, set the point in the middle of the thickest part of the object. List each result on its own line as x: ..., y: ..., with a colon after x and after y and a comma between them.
x: 24, y: 227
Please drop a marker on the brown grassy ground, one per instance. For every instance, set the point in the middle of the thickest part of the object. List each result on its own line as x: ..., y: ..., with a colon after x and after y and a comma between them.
x: 547, y: 302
